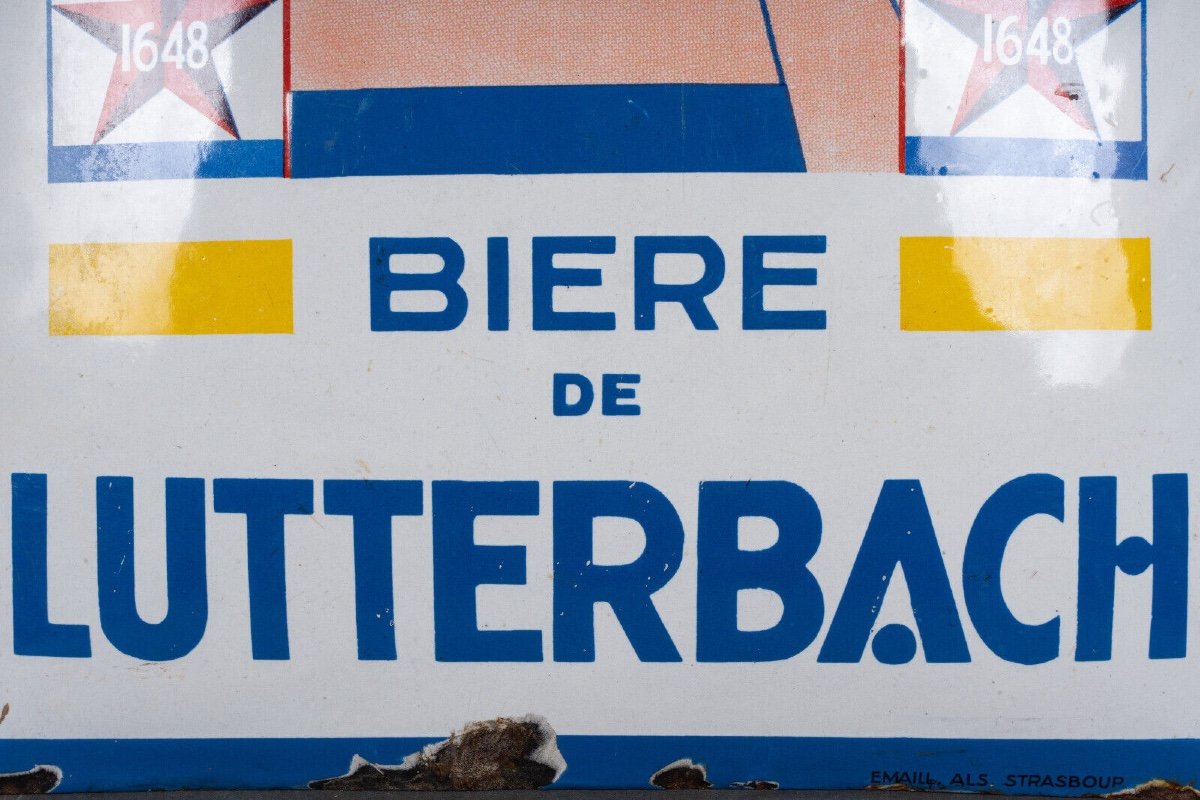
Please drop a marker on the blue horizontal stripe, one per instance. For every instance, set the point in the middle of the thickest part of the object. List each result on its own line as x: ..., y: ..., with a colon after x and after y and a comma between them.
x: 248, y: 158
x: 972, y: 155
x: 621, y: 761
x: 545, y: 129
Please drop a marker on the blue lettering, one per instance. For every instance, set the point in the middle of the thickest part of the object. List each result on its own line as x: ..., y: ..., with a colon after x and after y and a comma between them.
x: 724, y: 570
x: 372, y: 504
x: 1100, y: 556
x: 187, y: 581
x: 647, y: 294
x: 613, y: 390
x: 563, y: 405
x: 445, y: 281
x: 497, y: 271
x: 265, y: 502
x: 546, y: 277
x: 900, y: 533
x: 756, y: 277
x: 579, y: 584
x: 459, y: 565
x: 998, y: 518
x: 33, y: 632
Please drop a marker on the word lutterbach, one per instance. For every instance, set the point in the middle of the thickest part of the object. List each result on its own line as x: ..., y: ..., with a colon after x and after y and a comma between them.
x: 900, y: 534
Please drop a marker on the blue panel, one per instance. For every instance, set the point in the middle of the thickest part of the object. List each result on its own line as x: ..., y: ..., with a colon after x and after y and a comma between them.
x: 545, y: 129
x: 1012, y: 766
x: 250, y: 158
x: 971, y: 155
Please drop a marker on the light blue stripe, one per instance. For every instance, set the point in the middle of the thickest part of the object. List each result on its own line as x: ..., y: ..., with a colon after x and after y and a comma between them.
x: 976, y: 155
x: 248, y: 158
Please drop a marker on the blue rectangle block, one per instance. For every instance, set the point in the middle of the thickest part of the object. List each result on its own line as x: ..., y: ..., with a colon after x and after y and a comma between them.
x: 544, y: 129
x: 972, y: 155
x: 249, y: 158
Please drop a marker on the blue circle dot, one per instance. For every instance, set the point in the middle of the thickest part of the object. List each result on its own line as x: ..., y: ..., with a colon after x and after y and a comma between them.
x: 894, y: 644
x: 1135, y: 555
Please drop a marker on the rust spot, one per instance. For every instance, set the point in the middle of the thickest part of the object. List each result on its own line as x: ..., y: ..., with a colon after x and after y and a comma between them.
x: 1071, y: 91
x: 4, y: 713
x: 39, y: 780
x: 1158, y: 790
x: 681, y: 774
x: 759, y: 786
x: 890, y: 787
x: 493, y: 755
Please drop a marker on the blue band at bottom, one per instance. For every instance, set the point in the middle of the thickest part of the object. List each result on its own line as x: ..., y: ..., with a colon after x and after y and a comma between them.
x: 1007, y: 766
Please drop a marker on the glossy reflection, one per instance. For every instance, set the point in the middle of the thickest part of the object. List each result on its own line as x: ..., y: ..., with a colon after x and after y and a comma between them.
x: 168, y: 288
x: 976, y: 283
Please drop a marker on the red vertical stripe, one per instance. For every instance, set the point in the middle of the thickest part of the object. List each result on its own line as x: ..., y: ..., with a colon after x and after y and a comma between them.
x: 902, y: 98
x: 287, y: 88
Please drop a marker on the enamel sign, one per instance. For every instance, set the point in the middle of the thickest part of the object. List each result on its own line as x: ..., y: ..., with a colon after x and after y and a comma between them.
x: 517, y: 394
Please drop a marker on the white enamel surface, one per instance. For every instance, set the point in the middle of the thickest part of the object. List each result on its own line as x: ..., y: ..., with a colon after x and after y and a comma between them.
x: 837, y: 411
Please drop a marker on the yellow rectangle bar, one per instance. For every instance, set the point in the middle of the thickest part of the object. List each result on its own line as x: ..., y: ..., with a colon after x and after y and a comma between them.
x: 1017, y: 284
x: 169, y: 288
